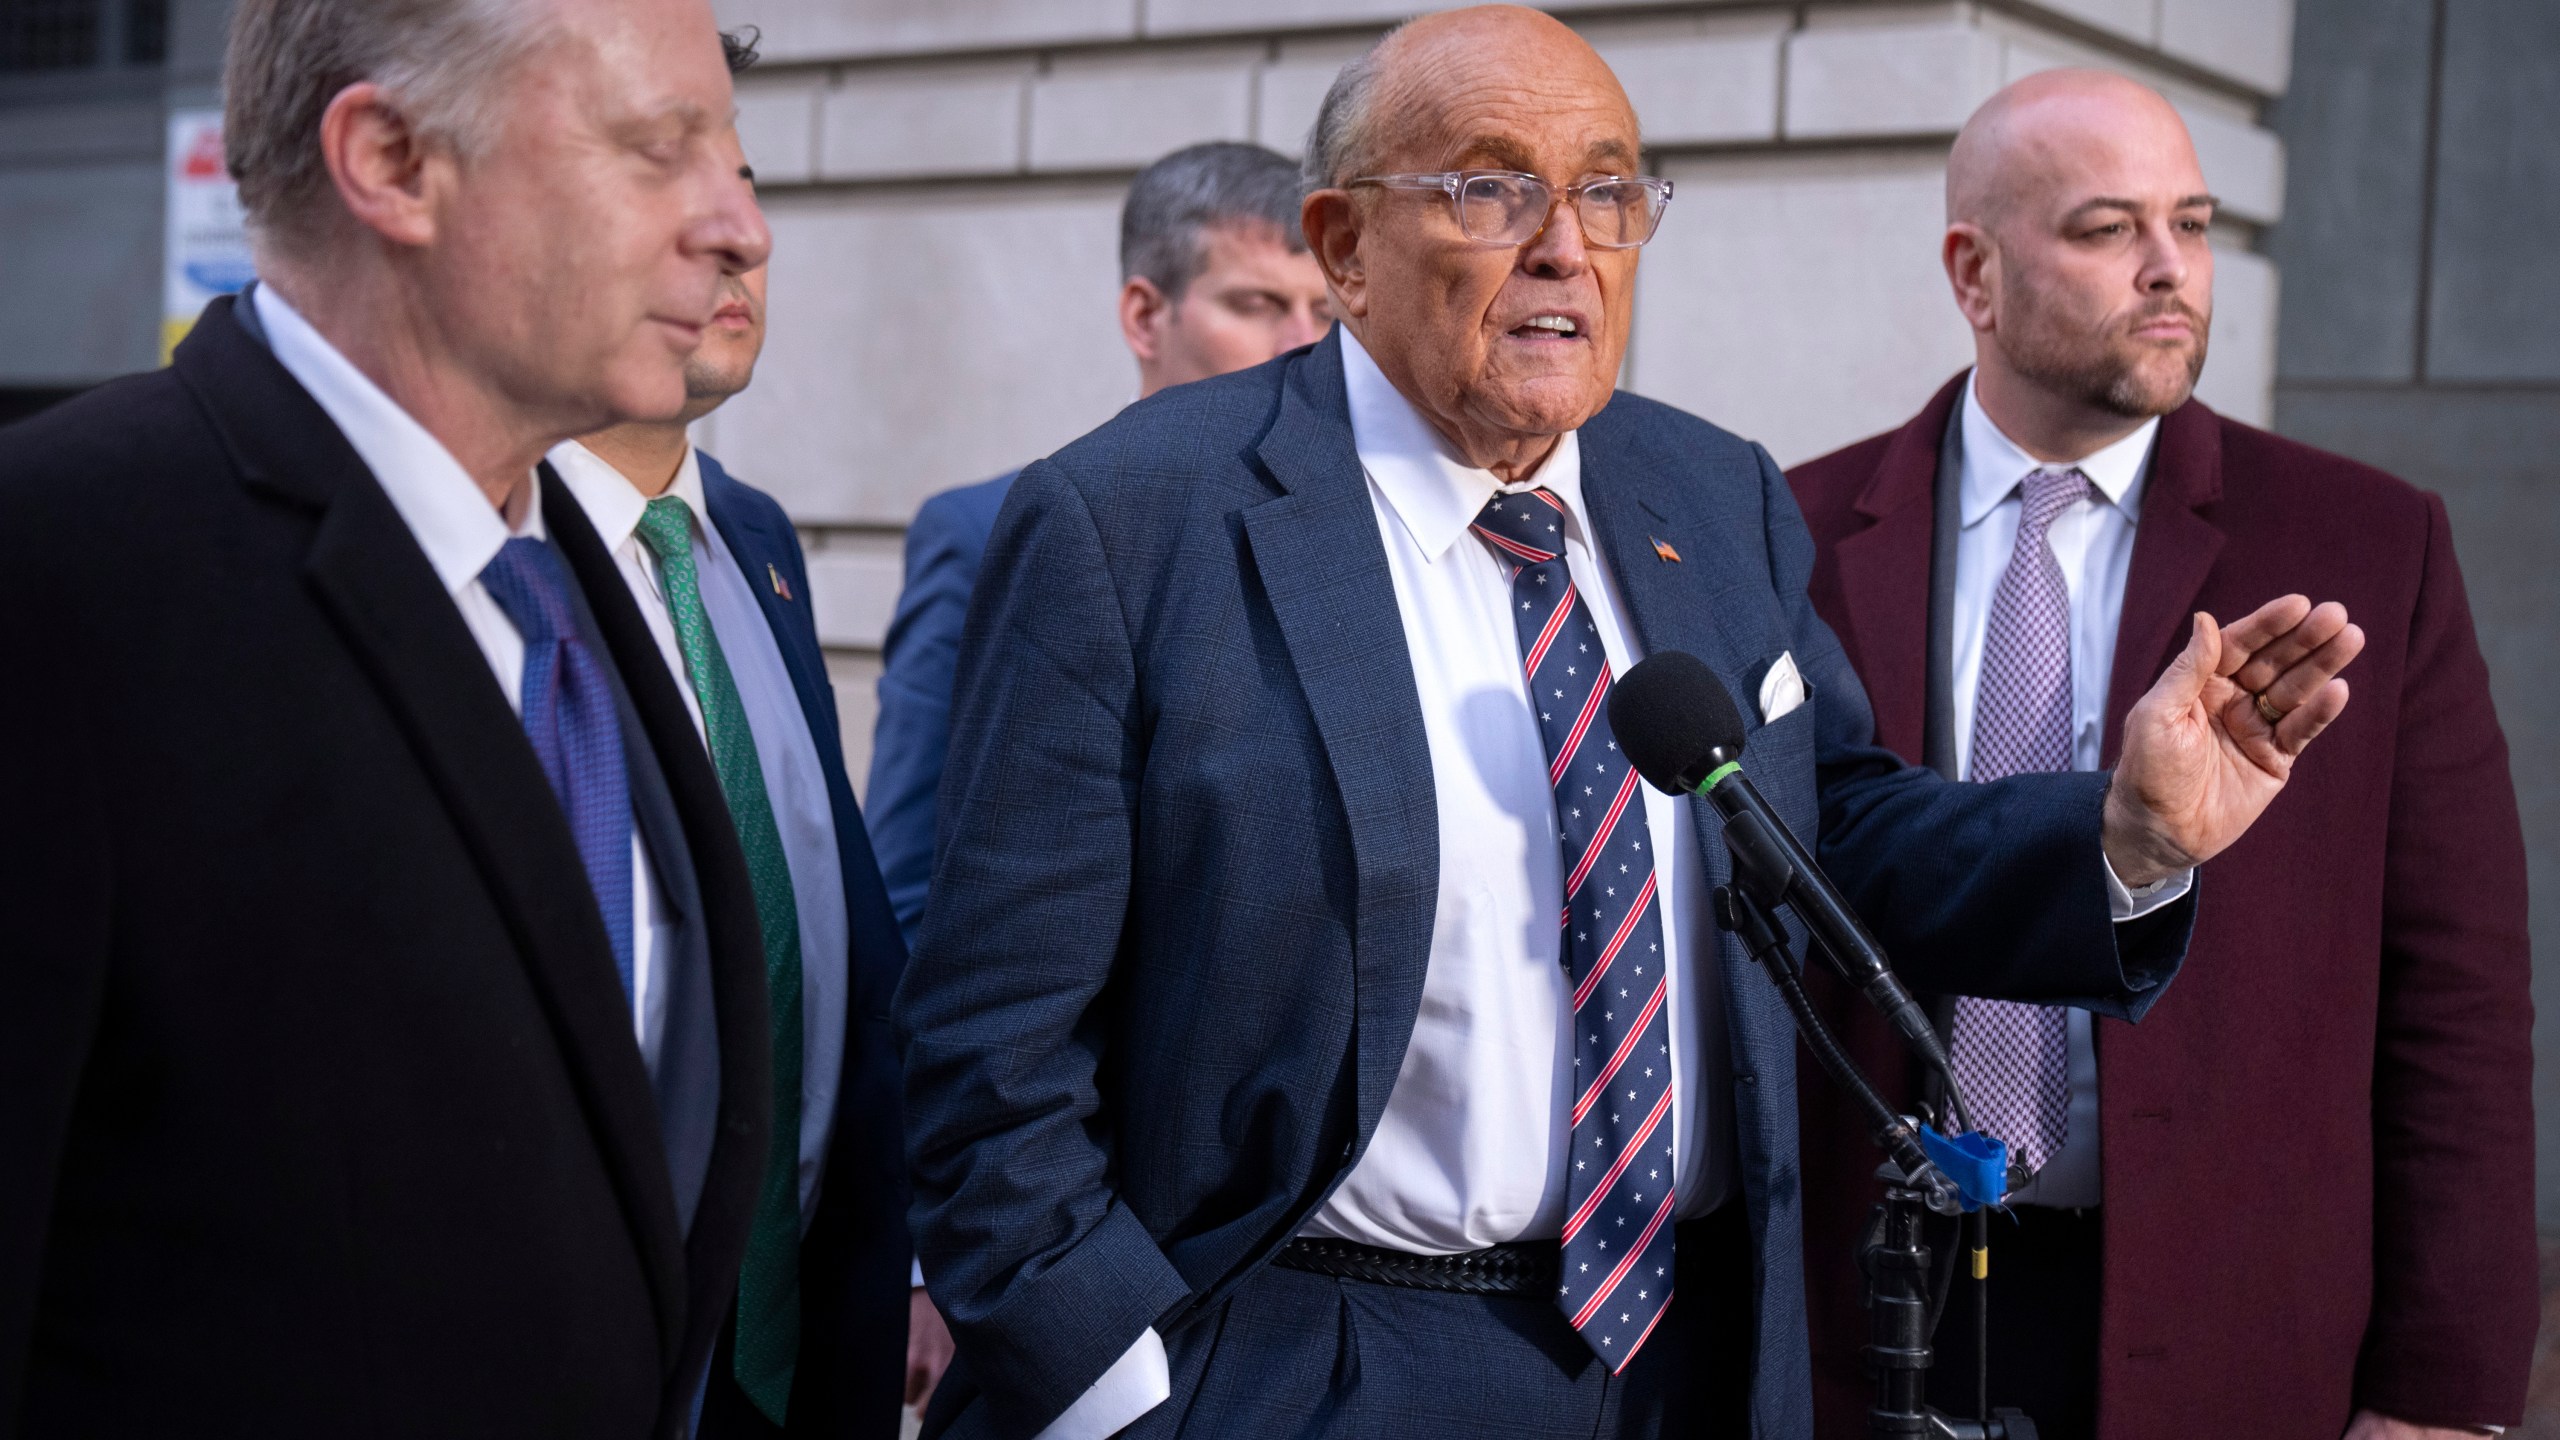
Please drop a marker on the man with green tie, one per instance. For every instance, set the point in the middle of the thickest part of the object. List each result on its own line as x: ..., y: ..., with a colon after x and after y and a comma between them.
x: 820, y: 1341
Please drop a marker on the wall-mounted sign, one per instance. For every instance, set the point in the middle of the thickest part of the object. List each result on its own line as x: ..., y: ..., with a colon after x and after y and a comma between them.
x: 207, y: 248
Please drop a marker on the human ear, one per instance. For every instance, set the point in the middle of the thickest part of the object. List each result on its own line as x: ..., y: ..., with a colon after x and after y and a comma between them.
x: 1332, y: 226
x: 379, y: 164
x: 1143, y: 311
x: 1973, y: 272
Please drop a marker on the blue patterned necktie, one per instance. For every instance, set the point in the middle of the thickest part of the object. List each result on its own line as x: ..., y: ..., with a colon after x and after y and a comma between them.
x: 1618, y: 1187
x: 2014, y: 1060
x: 569, y: 715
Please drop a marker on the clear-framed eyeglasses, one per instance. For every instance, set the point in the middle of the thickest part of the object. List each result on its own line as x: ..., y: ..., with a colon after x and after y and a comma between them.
x: 1507, y: 207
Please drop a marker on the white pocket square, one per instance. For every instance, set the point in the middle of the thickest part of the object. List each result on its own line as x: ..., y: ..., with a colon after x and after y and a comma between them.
x: 1782, y: 689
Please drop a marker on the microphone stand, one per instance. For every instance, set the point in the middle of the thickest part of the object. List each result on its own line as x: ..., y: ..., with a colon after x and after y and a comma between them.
x: 1894, y: 1255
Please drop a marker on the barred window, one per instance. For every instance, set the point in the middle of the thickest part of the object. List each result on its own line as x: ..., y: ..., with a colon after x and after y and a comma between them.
x: 41, y: 35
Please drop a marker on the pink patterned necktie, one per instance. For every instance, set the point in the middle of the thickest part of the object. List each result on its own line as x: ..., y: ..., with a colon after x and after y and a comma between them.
x: 2014, y: 1060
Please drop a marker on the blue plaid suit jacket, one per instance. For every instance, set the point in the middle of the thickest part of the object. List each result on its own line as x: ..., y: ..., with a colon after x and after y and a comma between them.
x: 1188, y: 865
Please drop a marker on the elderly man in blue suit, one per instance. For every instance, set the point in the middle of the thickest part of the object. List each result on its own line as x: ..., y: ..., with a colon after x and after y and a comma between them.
x: 1215, y: 277
x: 1312, y: 1035
x: 827, y: 1336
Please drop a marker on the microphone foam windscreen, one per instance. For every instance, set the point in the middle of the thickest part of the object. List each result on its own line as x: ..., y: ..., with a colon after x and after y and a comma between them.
x: 1668, y: 712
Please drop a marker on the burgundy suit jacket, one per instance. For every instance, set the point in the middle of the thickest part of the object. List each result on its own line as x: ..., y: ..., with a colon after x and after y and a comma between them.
x: 2318, y: 1146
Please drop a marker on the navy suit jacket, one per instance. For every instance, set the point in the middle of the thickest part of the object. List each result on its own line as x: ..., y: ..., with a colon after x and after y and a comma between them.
x: 944, y: 546
x: 854, y: 1260
x: 1189, y: 866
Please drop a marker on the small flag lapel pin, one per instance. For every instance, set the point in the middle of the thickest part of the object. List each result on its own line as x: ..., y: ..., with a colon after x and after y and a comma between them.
x: 782, y: 587
x: 1663, y: 549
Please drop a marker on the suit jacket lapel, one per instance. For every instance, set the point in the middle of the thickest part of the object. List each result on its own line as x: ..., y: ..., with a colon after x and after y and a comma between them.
x: 2174, y: 546
x: 1885, y: 580
x: 761, y: 554
x: 716, y: 1244
x: 1323, y: 566
x: 1637, y: 498
x: 394, y: 614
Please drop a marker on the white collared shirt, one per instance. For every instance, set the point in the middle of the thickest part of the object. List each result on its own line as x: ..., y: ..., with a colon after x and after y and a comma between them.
x: 1470, y: 1151
x: 2092, y: 539
x: 461, y: 532
x: 786, y: 755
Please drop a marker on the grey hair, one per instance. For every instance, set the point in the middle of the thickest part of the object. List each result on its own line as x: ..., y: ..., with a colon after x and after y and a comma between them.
x: 1339, y: 145
x: 439, y: 61
x: 1193, y: 189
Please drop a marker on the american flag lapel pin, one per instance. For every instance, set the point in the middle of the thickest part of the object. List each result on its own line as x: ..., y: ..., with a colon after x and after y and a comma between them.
x: 1662, y: 549
x: 782, y: 587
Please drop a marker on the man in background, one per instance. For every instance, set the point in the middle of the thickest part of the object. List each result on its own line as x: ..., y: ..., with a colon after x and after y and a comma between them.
x: 382, y: 1020
x: 1215, y: 277
x: 2299, y: 1199
x: 825, y: 1309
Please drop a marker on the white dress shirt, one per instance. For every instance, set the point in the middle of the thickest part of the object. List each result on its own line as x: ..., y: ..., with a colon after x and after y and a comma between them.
x: 1470, y: 1150
x: 461, y: 532
x: 786, y: 754
x: 2092, y: 539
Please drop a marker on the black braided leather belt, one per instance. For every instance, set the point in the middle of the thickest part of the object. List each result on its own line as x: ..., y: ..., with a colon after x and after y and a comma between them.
x: 1526, y: 1269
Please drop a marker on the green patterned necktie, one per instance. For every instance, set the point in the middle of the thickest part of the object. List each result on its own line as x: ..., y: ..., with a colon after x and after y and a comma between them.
x: 769, y: 1286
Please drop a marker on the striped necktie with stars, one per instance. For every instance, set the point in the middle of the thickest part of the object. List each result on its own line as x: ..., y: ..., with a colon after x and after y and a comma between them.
x: 1618, y: 1191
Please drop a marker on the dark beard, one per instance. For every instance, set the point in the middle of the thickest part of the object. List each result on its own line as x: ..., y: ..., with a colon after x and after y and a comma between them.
x: 2102, y: 376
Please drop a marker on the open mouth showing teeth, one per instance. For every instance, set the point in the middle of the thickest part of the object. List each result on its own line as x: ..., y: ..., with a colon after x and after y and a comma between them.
x: 1548, y: 326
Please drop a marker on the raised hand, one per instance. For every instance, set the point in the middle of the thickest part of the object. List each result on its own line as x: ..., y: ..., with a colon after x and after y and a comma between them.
x: 2214, y: 740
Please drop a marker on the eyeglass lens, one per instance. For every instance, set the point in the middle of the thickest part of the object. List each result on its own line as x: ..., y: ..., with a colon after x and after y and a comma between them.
x: 1508, y: 209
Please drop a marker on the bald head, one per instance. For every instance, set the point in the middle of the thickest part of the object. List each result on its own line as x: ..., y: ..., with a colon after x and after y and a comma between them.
x: 2039, y: 136
x: 1422, y: 85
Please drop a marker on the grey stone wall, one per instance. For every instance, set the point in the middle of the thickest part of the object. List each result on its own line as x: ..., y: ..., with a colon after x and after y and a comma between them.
x: 2422, y: 334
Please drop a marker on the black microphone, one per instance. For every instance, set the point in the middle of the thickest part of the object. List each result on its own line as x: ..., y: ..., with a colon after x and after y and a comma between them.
x: 1680, y: 729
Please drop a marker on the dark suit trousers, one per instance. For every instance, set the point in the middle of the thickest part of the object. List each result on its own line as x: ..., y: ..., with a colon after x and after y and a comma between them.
x: 2044, y: 1325
x: 1295, y: 1356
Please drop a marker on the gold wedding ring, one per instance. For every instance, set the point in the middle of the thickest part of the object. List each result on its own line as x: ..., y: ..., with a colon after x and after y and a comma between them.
x: 2267, y: 710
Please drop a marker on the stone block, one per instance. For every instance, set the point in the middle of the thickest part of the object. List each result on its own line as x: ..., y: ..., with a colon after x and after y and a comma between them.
x: 2355, y: 138
x: 917, y: 341
x: 1894, y: 73
x: 1288, y: 91
x: 936, y: 120
x: 84, y: 243
x: 1208, y: 17
x: 2136, y: 20
x: 2240, y: 370
x: 853, y: 587
x: 1696, y: 84
x: 2250, y: 41
x: 856, y: 678
x: 2243, y: 163
x: 1798, y: 300
x: 1121, y: 112
x: 777, y: 122
x: 814, y: 30
x: 2494, y: 294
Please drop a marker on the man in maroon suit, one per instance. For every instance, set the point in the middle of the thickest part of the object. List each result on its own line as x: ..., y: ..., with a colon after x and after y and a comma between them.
x: 2298, y: 1199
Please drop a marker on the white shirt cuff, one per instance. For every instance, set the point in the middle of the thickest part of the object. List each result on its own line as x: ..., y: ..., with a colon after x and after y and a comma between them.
x: 2125, y: 903
x: 915, y: 1274
x: 1136, y: 1383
